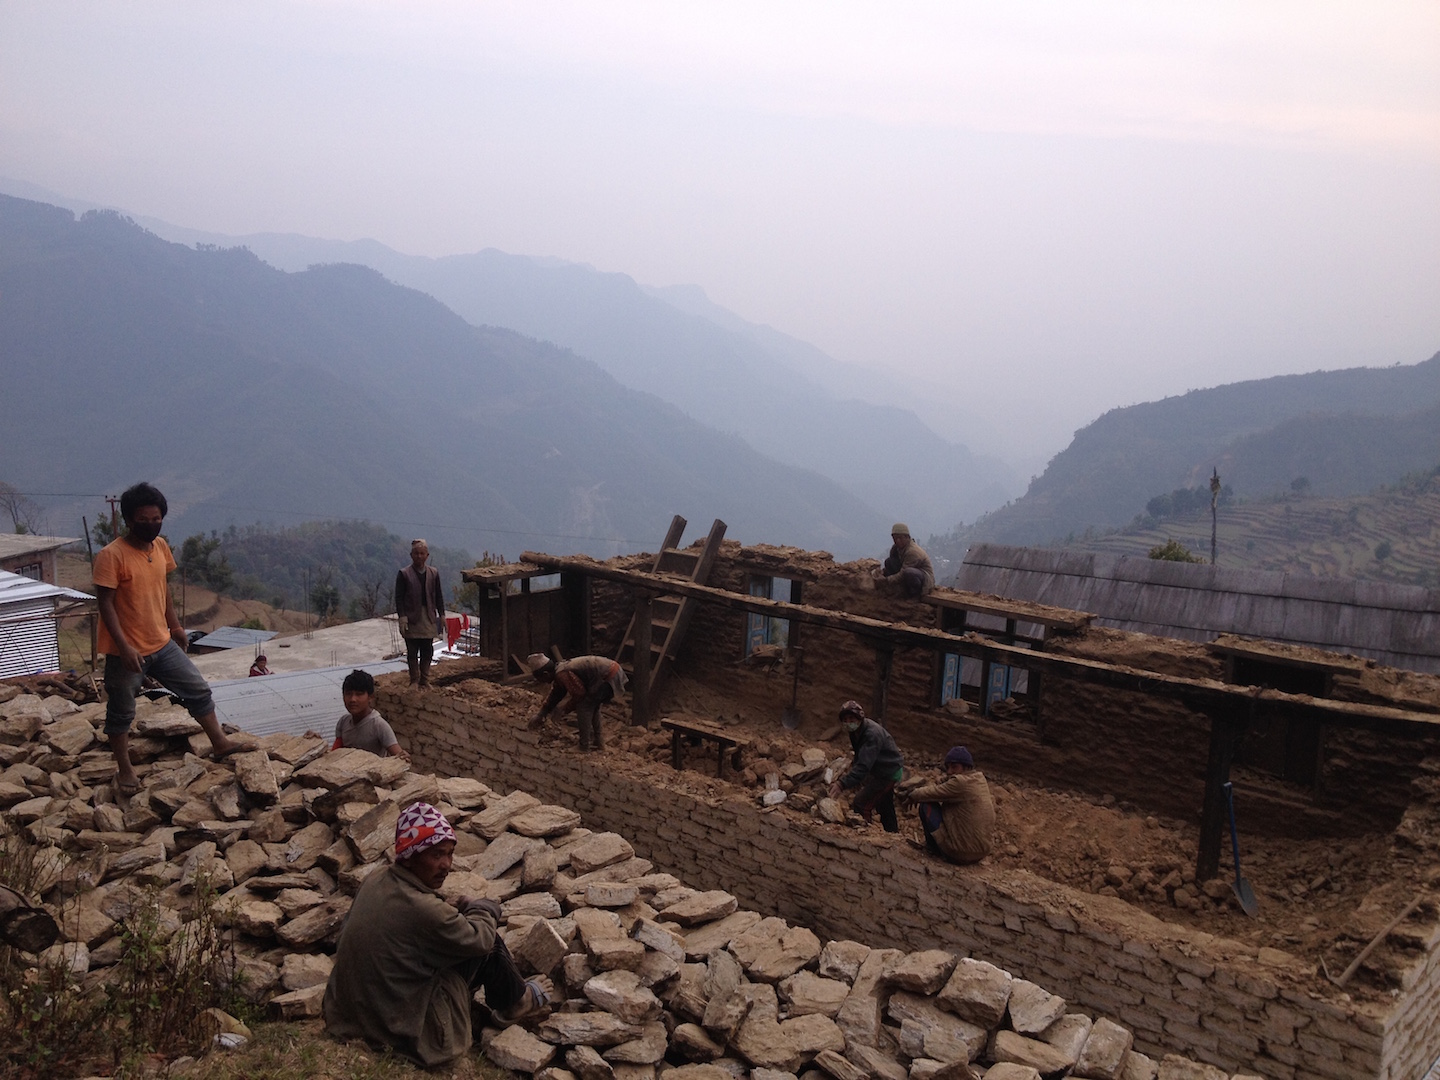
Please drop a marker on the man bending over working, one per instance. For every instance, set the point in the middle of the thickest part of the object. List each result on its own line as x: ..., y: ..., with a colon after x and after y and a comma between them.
x: 409, y: 962
x: 583, y: 684
x: 878, y: 766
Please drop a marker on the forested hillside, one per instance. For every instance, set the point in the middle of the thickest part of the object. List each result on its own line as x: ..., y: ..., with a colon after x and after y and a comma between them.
x: 1345, y: 432
x: 249, y: 394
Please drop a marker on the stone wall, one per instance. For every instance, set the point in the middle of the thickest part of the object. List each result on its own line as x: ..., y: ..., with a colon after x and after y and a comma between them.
x: 1179, y: 991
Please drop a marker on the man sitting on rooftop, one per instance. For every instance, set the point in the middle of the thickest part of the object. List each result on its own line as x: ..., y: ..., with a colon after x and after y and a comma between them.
x: 409, y: 961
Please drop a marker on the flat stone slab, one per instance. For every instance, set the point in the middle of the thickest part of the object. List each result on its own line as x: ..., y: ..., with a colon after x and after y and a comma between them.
x: 587, y: 1029
x: 373, y: 833
x: 611, y: 894
x: 540, y: 948
x: 544, y: 821
x: 621, y: 993
x: 505, y: 851
x: 495, y: 818
x: 301, y: 970
x: 1103, y: 1055
x: 661, y: 938
x: 256, y: 777
x: 1033, y: 1008
x: 945, y: 1036
x: 805, y: 992
x: 598, y: 850
x: 922, y: 972
x: 772, y: 950
x: 518, y: 1050
x: 842, y: 960
x: 701, y: 908
x: 648, y: 1049
x: 977, y: 992
x: 1040, y: 1056
x: 1174, y: 1067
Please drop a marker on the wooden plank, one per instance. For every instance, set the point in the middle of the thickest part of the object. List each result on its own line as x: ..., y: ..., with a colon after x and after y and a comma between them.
x: 884, y: 660
x: 1054, y: 618
x: 493, y: 575
x: 1197, y: 692
x: 1232, y: 647
x: 640, y: 663
x: 1225, y: 731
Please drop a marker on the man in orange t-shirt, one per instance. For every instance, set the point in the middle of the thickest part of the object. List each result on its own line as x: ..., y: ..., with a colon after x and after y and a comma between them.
x: 139, y: 633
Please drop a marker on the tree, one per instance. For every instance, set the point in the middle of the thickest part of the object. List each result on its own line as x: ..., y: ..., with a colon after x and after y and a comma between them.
x: 1383, y: 550
x: 23, y: 513
x: 197, y: 559
x: 1174, y: 551
x: 1300, y: 485
x: 102, y: 531
x: 324, y: 596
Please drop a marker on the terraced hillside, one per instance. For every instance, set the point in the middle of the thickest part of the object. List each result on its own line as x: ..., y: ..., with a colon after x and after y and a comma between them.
x: 1390, y: 535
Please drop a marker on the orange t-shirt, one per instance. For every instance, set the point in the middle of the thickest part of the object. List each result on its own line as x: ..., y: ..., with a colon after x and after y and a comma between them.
x: 141, y: 593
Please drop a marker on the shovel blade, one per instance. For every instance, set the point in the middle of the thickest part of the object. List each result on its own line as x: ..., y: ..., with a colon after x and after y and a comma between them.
x: 1246, y: 895
x: 790, y: 718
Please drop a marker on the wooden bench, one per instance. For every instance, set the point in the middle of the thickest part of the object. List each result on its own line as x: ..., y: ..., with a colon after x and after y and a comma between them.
x: 699, y: 732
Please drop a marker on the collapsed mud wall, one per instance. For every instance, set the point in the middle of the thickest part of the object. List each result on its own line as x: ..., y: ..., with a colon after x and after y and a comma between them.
x: 1178, y: 990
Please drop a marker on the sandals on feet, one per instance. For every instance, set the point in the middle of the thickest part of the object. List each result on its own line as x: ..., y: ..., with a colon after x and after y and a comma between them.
x: 532, y: 1003
x: 126, y: 787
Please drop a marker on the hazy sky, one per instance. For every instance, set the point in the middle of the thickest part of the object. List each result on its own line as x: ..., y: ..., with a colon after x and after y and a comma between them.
x: 1042, y: 210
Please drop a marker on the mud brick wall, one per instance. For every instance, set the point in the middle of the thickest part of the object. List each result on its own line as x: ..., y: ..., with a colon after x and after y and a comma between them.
x: 1179, y: 991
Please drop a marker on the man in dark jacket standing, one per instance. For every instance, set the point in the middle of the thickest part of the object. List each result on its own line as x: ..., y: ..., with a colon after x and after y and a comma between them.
x: 878, y: 766
x: 420, y: 606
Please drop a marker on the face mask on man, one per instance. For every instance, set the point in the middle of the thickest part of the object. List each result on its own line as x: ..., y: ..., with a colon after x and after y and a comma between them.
x: 145, y: 531
x: 852, y: 726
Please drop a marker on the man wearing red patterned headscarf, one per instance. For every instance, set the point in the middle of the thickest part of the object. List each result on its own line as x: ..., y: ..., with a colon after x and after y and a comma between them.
x: 409, y: 961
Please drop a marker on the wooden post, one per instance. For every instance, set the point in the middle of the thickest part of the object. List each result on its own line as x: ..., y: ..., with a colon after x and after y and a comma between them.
x: 1225, y: 732
x: 797, y: 596
x: 640, y: 663
x: 504, y: 631
x: 884, y: 656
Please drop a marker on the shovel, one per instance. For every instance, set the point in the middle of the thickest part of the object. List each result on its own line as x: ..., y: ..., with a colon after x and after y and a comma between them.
x: 790, y: 718
x: 1243, y: 892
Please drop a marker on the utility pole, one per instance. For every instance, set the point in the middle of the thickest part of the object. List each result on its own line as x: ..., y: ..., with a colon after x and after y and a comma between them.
x: 1214, y: 502
x: 114, y: 501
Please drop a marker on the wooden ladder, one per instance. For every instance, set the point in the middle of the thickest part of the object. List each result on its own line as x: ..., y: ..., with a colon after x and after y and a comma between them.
x: 670, y: 614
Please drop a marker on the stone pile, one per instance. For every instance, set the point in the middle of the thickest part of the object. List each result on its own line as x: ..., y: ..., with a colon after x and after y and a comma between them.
x: 650, y: 976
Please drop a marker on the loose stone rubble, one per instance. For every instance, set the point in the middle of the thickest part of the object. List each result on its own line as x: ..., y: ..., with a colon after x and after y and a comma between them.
x: 650, y: 976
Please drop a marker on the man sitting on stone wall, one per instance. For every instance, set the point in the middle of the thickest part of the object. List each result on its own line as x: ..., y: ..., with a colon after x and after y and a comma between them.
x: 583, y: 684
x: 409, y: 962
x: 957, y: 813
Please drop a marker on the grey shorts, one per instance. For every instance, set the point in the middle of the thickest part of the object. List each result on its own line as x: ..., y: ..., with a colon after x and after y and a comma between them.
x: 171, y: 668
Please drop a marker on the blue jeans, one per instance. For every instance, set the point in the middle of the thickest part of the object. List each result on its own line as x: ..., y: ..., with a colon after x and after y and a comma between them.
x: 171, y: 668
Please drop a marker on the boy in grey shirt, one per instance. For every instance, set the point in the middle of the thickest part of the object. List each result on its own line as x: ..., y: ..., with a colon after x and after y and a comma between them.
x: 362, y: 727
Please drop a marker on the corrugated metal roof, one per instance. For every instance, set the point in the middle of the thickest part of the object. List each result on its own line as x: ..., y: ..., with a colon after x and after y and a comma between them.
x: 15, y: 588
x: 291, y: 703
x: 1398, y: 625
x: 233, y: 637
x: 13, y: 544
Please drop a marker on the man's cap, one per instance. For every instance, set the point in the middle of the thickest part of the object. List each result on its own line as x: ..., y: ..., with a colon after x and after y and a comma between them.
x: 418, y: 827
x: 853, y: 707
x: 958, y: 755
x: 537, y: 661
x: 899, y: 529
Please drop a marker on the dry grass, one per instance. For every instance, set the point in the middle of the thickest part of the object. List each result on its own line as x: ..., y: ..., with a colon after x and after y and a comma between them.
x: 302, y: 1051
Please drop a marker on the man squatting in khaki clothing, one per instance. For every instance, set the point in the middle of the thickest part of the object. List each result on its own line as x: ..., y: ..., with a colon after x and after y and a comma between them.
x: 958, y: 813
x: 583, y: 684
